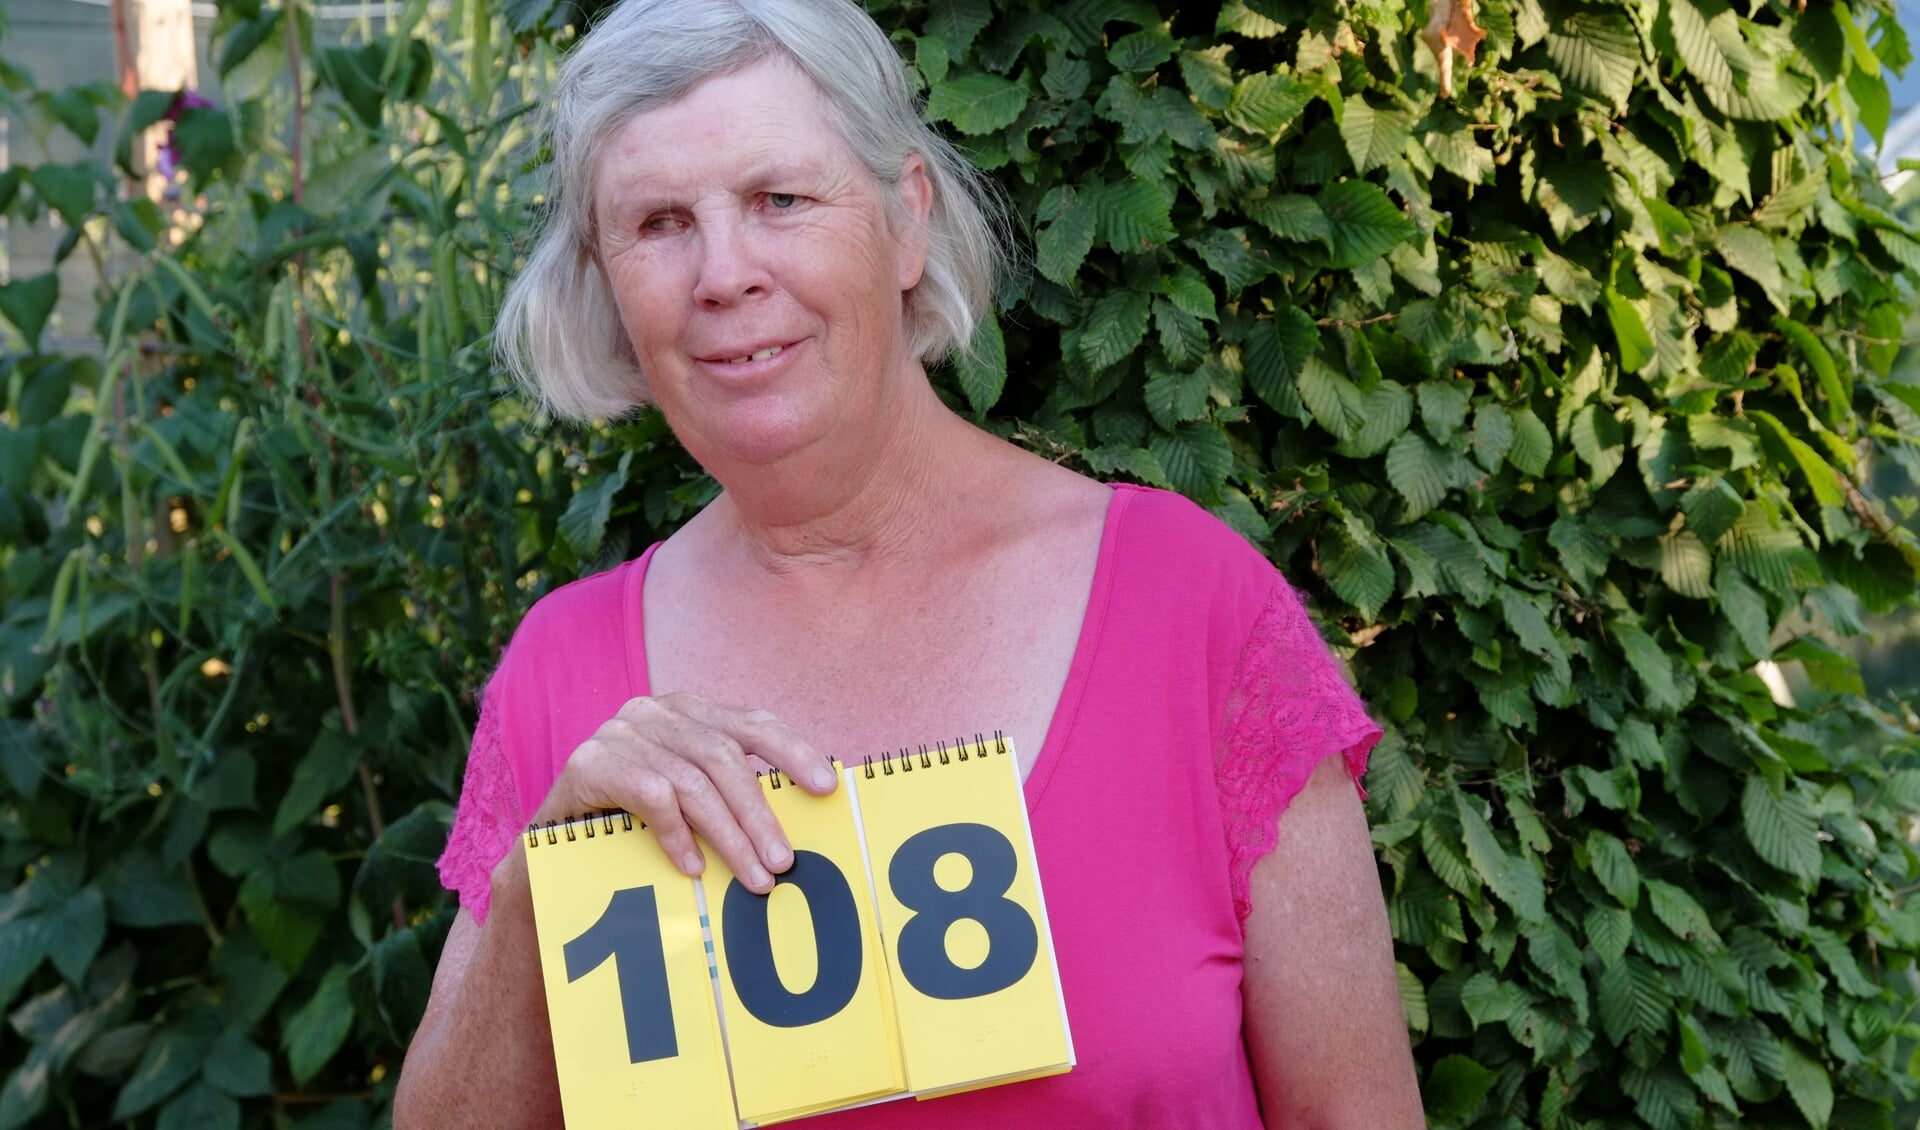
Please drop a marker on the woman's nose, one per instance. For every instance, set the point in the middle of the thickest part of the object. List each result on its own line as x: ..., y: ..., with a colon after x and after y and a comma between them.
x: 731, y: 267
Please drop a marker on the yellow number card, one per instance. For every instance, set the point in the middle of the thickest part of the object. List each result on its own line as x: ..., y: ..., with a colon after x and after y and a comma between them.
x: 804, y: 994
x: 629, y: 991
x: 965, y: 927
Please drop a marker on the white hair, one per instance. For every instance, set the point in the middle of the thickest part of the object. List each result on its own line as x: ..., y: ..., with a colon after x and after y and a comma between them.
x: 559, y: 332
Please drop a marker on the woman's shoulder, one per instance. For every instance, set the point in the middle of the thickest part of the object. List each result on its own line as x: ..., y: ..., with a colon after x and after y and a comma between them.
x: 583, y: 617
x: 1171, y: 537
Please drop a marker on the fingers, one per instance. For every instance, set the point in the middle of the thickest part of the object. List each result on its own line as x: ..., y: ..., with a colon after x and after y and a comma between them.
x: 681, y: 764
x: 761, y: 733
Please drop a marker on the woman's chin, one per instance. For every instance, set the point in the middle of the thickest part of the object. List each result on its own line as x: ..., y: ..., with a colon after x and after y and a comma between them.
x: 757, y: 438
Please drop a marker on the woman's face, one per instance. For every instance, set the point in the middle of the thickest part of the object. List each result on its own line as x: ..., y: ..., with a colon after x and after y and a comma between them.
x: 750, y: 256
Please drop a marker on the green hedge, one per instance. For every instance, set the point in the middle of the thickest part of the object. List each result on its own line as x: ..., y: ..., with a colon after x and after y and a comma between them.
x: 1557, y: 392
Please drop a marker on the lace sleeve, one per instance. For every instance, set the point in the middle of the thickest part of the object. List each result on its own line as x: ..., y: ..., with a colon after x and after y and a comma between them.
x: 1288, y: 709
x: 486, y: 819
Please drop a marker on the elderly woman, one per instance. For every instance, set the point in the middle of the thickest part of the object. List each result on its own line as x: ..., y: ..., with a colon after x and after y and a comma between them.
x: 752, y: 232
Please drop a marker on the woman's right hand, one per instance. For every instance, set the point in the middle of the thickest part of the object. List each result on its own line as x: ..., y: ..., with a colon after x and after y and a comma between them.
x: 680, y: 763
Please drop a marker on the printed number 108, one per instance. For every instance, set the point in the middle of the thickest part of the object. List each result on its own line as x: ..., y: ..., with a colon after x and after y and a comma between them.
x: 628, y: 932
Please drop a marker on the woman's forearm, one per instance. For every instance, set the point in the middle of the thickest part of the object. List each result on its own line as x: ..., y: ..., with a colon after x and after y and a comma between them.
x: 483, y: 1055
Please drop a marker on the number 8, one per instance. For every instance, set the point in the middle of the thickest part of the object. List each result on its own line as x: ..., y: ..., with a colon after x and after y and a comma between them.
x: 1012, y: 940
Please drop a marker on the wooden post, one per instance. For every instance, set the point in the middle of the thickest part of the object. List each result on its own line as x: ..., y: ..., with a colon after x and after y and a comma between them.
x: 164, y: 59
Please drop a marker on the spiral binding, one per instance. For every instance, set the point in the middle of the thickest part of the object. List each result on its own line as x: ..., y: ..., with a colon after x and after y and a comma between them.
x: 904, y: 760
x: 583, y: 825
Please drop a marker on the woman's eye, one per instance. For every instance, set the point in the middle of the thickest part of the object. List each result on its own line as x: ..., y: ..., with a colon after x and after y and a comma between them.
x: 782, y: 200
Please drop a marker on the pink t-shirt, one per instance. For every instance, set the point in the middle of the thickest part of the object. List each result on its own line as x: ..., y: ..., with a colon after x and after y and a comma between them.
x: 1199, y: 700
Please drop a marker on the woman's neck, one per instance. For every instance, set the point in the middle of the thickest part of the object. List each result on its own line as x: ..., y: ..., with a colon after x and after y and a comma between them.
x: 856, y: 504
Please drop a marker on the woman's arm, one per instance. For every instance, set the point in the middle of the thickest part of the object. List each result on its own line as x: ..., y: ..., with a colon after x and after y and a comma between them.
x: 483, y: 1055
x: 1323, y: 1019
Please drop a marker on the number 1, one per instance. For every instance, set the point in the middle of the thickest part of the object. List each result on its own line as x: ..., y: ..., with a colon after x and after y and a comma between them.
x: 628, y: 931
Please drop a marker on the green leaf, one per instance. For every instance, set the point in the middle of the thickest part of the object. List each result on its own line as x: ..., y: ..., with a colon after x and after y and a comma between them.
x: 1490, y: 1001
x: 1208, y: 77
x: 1115, y: 328
x: 1532, y: 443
x: 983, y: 371
x: 325, y: 769
x: 1385, y: 414
x: 1182, y: 336
x: 1875, y: 102
x: 1654, y: 667
x: 1781, y: 828
x: 1609, y: 929
x: 1365, y: 224
x: 958, y: 22
x: 1662, y: 1097
x: 1613, y: 865
x: 1276, y: 353
x: 1809, y: 1084
x: 976, y: 103
x: 1512, y: 879
x: 1677, y: 911
x: 1828, y: 669
x: 1357, y: 567
x: 315, y: 1033
x: 1196, y: 456
x: 1335, y: 401
x: 1749, y: 251
x: 1711, y: 506
x: 1062, y: 245
x: 1597, y: 438
x: 1133, y: 216
x: 28, y: 303
x: 1443, y: 407
x: 1567, y: 280
x: 237, y: 1066
x: 1696, y: 45
x: 1140, y: 51
x: 1374, y: 137
x: 1821, y: 478
x: 1419, y: 472
x: 74, y: 932
x: 1135, y: 462
x: 1267, y: 103
x: 584, y: 524
x: 524, y: 16
x: 1292, y: 216
x: 1226, y: 253
x: 1630, y: 332
x: 1597, y: 52
x: 67, y: 189
x: 1455, y: 1087
x: 200, y: 1107
x: 1440, y: 843
x: 1633, y: 996
x: 1174, y: 397
x: 170, y: 1060
x: 1685, y: 564
x: 73, y: 109
x: 204, y: 138
x: 1413, y: 998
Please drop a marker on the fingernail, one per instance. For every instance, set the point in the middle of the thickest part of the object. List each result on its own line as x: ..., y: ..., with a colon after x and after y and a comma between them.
x: 823, y: 778
x: 758, y: 877
x: 691, y: 863
x: 778, y: 854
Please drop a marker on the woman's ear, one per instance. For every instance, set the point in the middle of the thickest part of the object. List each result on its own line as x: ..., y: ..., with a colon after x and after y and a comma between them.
x: 914, y: 193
